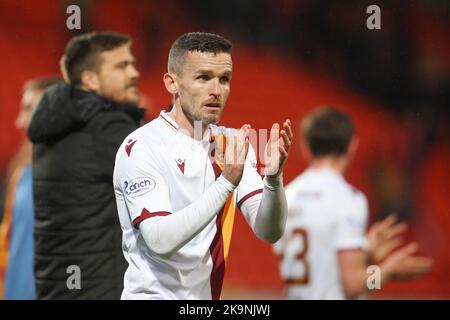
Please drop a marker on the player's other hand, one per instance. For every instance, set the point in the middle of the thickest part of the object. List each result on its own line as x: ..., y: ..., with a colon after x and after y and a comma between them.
x: 277, y: 149
x: 235, y: 154
x: 384, y: 236
x: 403, y: 265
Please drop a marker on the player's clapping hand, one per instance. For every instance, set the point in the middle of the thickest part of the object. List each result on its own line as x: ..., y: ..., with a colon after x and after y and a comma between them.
x: 235, y: 154
x: 384, y: 236
x: 403, y: 265
x: 277, y: 149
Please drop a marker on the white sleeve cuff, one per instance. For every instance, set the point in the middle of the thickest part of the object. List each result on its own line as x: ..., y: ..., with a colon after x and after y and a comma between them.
x: 225, y: 183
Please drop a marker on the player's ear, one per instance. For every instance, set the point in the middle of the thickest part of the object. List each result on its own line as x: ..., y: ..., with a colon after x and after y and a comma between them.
x: 170, y: 83
x: 62, y: 67
x: 304, y: 149
x: 353, y: 147
x: 90, y: 80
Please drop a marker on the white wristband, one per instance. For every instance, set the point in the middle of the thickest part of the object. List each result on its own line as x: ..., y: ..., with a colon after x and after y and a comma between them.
x: 273, y: 184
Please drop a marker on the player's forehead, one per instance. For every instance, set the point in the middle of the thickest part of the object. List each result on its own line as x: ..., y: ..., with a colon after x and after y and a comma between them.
x: 117, y: 55
x: 196, y: 61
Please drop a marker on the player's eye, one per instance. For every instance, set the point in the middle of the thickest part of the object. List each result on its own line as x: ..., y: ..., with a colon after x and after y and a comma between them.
x: 225, y: 79
x: 203, y: 77
x: 122, y: 65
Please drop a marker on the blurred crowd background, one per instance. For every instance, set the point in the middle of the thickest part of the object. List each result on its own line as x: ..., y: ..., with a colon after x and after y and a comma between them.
x: 289, y: 57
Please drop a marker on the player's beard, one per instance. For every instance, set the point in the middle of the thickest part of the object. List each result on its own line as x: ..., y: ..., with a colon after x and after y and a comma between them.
x: 205, y: 117
x: 211, y: 117
x: 129, y: 93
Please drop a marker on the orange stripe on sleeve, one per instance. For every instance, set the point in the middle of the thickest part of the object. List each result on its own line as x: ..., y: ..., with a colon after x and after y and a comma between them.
x: 227, y: 224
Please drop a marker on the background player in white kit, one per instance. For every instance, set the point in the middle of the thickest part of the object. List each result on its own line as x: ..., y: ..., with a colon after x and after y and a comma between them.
x: 177, y: 188
x: 324, y: 253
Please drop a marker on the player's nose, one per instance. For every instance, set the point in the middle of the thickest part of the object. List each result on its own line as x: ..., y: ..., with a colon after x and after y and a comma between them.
x: 215, y: 88
x: 133, y: 72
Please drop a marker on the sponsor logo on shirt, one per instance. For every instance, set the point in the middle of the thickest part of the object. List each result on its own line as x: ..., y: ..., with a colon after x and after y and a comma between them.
x: 180, y: 164
x: 139, y: 186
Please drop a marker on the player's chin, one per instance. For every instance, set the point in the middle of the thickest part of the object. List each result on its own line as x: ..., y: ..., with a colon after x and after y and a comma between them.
x: 211, y: 119
x: 132, y: 96
x: 212, y: 116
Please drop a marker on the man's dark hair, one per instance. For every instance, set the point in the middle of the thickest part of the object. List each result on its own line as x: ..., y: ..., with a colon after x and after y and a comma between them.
x: 83, y: 52
x: 41, y: 83
x: 328, y: 132
x: 195, y: 41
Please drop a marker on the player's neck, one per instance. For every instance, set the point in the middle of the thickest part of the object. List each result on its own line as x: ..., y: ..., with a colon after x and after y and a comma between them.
x: 186, y: 125
x: 338, y: 163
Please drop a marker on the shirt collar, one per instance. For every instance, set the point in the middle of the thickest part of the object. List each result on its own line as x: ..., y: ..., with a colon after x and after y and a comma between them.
x: 172, y: 124
x: 164, y: 116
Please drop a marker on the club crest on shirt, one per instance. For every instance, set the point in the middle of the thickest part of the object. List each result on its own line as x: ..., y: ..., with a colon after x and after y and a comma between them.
x: 138, y: 187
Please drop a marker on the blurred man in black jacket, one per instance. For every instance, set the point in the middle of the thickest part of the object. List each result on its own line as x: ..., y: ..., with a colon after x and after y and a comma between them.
x: 76, y: 131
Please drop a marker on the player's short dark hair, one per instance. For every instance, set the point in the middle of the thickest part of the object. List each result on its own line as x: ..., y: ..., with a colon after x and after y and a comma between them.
x: 195, y: 41
x: 327, y: 131
x: 41, y: 83
x: 83, y: 52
